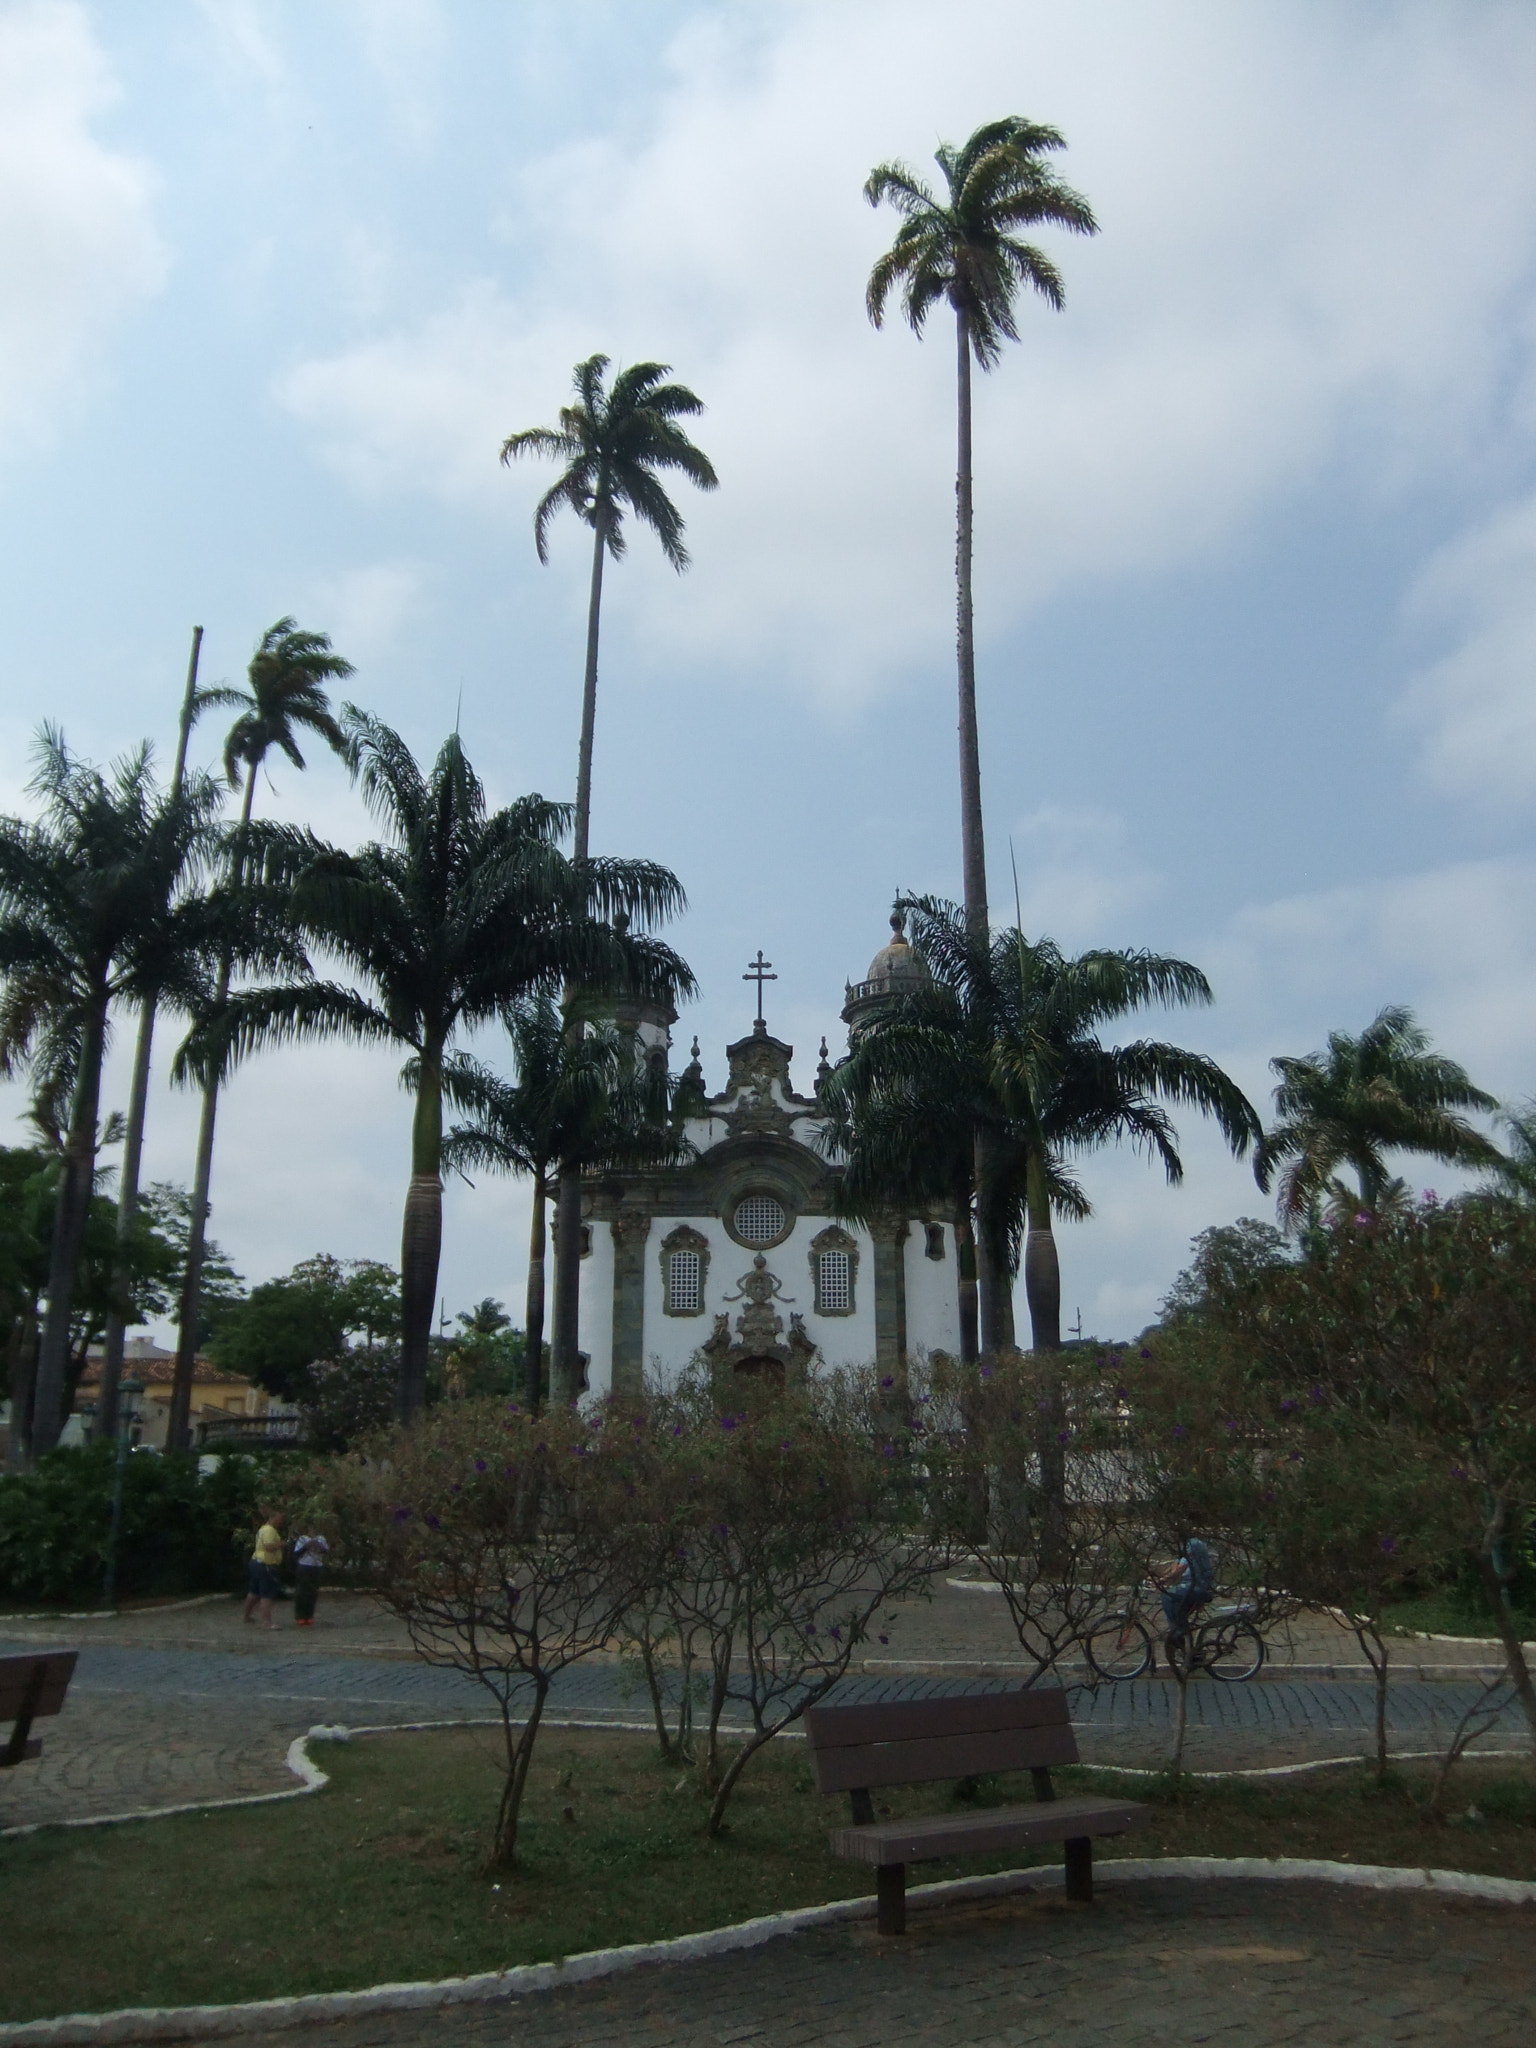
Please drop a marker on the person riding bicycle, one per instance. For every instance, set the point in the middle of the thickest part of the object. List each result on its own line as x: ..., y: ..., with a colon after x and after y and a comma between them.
x: 1187, y: 1586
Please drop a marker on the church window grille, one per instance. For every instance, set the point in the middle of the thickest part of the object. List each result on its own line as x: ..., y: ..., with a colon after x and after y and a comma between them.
x: 759, y: 1219
x: 684, y: 1271
x: 836, y: 1288
x: 834, y: 1271
x: 683, y: 1283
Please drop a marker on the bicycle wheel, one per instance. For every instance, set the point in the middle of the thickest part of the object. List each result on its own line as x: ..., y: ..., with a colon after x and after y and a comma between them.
x: 1231, y: 1650
x: 1119, y: 1647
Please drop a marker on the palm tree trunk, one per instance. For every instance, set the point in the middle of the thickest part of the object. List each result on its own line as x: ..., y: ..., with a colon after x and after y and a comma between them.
x: 71, y: 1211
x: 564, y: 1364
x: 138, y: 1102
x: 127, y: 1208
x: 1042, y: 1268
x: 421, y: 1236
x: 533, y: 1316
x: 972, y: 842
x: 1042, y: 1290
x: 178, y: 1428
x: 965, y: 1256
x: 994, y: 1287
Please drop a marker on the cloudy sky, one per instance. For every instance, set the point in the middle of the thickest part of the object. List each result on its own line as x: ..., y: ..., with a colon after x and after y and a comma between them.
x: 1256, y: 515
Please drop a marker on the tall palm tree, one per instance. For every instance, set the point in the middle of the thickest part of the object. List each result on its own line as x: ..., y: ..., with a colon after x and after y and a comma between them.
x: 967, y: 249
x: 587, y: 1101
x: 99, y: 904
x: 288, y: 675
x: 1384, y: 1091
x: 457, y: 915
x: 614, y: 441
x: 195, y: 701
x: 1005, y: 1038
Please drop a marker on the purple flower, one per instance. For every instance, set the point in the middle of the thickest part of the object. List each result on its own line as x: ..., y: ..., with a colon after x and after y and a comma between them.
x: 727, y: 1422
x: 1287, y: 1407
x: 1062, y: 1435
x: 888, y: 1381
x: 836, y: 1634
x: 402, y: 1514
x: 1269, y: 1497
x: 1431, y: 1199
x: 433, y: 1522
x: 722, y: 1528
x: 513, y: 1409
x: 1317, y: 1397
x: 1178, y: 1429
x: 889, y: 1451
x: 1145, y: 1352
x: 1231, y: 1429
x: 884, y: 1639
x: 1364, y: 1216
x: 677, y: 1429
x: 784, y: 1443
x: 578, y: 1450
x: 810, y: 1628
x: 1458, y: 1471
x: 1389, y: 1543
x: 479, y: 1464
x: 1122, y: 1393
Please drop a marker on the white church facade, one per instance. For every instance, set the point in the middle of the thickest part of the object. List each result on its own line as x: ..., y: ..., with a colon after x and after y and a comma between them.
x: 739, y: 1255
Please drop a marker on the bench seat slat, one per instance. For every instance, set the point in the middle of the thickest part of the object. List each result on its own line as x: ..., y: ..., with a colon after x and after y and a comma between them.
x: 1000, y: 1827
x: 943, y: 1756
x: 973, y: 1713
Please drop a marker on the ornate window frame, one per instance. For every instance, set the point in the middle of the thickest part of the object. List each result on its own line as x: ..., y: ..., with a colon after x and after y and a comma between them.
x: 833, y: 1239
x: 775, y: 1190
x: 683, y: 1239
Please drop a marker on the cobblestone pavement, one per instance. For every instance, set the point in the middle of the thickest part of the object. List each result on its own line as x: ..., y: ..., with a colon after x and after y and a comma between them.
x: 149, y: 1727
x: 1148, y: 1962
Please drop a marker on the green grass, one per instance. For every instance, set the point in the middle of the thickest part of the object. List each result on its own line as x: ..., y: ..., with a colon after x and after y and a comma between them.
x: 1450, y: 1613
x: 380, y: 1877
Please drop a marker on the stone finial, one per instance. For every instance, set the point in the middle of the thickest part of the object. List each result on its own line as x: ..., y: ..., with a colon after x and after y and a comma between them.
x: 823, y: 1065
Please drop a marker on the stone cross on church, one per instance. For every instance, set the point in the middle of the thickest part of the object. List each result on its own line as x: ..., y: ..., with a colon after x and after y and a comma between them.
x: 758, y: 972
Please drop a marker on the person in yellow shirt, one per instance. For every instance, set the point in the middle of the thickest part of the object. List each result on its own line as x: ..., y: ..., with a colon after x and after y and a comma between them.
x: 262, y: 1573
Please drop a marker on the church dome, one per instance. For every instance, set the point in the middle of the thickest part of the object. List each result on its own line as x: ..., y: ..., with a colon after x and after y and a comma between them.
x: 896, y: 970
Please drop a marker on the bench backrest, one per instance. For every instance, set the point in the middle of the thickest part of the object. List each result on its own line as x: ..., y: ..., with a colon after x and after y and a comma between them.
x: 17, y: 1681
x: 914, y: 1742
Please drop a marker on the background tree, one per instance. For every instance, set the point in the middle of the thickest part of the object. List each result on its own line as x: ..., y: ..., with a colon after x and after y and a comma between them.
x: 99, y: 904
x: 1364, y: 1097
x: 967, y: 251
x: 287, y: 678
x: 615, y: 440
x: 459, y: 914
x: 579, y: 1101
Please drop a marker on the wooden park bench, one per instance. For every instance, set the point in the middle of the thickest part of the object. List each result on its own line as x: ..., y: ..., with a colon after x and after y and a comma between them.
x: 916, y: 1742
x: 31, y: 1684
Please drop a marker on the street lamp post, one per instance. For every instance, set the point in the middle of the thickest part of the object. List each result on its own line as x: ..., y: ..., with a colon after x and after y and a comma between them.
x: 128, y: 1392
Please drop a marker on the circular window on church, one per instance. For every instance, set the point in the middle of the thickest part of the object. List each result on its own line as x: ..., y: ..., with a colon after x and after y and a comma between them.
x: 759, y: 1219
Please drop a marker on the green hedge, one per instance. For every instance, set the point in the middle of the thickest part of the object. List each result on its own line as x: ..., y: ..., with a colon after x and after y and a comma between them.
x: 180, y: 1533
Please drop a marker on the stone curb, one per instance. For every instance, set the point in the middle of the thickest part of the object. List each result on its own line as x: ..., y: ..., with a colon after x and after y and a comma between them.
x: 1077, y: 1674
x: 202, y: 2022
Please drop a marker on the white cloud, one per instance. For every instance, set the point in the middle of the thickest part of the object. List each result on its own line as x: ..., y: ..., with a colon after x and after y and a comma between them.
x: 78, y: 247
x: 1476, y: 706
x: 1254, y: 315
x: 1079, y: 874
x: 363, y: 610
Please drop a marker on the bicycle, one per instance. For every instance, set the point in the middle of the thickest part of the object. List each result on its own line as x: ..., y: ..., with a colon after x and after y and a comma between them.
x: 1224, y: 1641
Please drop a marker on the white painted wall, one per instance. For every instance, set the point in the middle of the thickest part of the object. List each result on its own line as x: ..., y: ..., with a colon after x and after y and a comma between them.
x: 933, y: 1293
x: 596, y: 1311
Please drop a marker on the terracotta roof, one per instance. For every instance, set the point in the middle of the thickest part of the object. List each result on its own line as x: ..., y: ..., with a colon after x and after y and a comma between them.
x: 161, y: 1371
